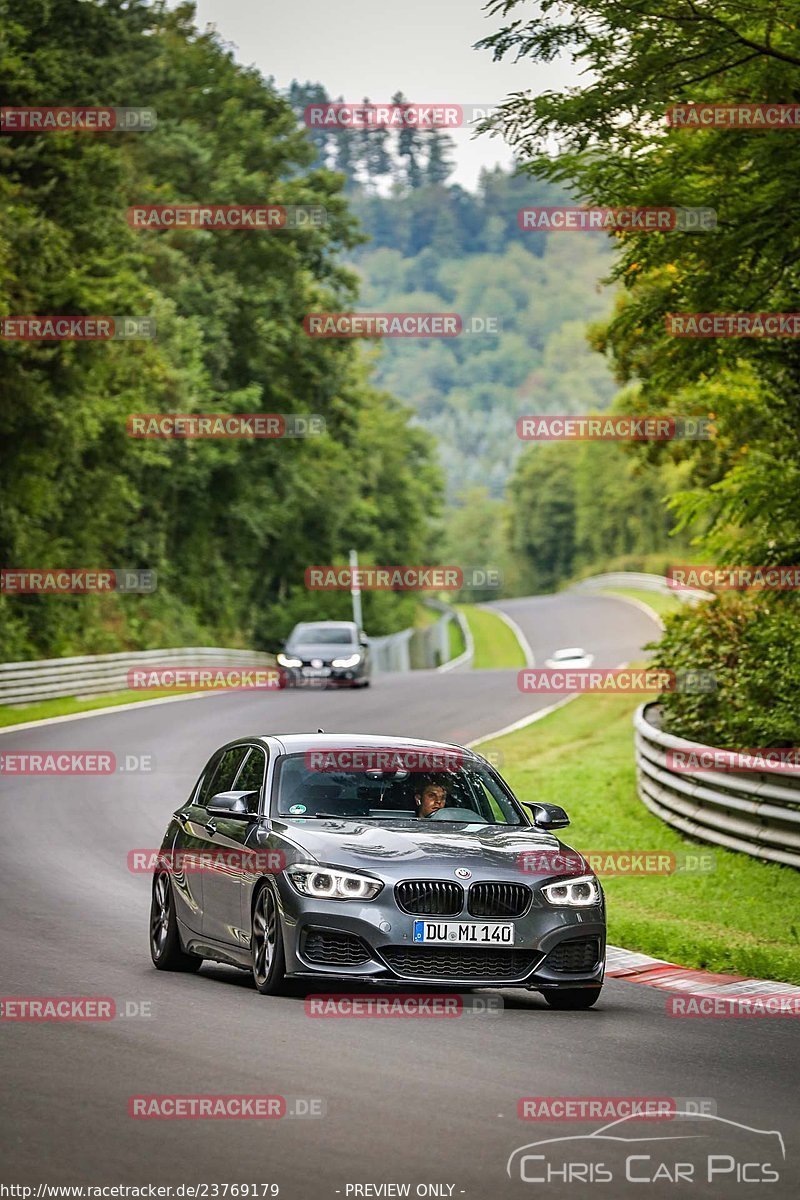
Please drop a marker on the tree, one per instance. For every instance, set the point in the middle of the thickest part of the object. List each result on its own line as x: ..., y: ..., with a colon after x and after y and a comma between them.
x: 229, y: 527
x: 616, y: 150
x: 439, y: 164
x: 408, y: 147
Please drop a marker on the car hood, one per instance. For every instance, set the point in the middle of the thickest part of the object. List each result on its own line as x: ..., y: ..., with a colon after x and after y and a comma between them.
x: 408, y: 849
x: 325, y: 651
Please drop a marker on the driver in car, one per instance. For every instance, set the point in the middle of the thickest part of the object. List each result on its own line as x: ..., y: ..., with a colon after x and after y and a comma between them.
x: 430, y: 798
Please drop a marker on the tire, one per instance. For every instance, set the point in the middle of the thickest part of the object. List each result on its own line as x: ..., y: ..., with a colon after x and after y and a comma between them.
x: 266, y: 944
x: 571, y: 999
x: 165, y: 942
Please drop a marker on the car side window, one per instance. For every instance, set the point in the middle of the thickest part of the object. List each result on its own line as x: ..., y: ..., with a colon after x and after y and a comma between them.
x: 251, y: 777
x: 202, y: 788
x: 222, y: 779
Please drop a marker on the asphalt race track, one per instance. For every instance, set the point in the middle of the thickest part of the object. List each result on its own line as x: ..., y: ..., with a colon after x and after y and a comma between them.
x: 406, y: 1101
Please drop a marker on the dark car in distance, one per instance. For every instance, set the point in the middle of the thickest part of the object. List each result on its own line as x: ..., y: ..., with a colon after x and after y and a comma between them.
x: 374, y: 860
x: 321, y: 653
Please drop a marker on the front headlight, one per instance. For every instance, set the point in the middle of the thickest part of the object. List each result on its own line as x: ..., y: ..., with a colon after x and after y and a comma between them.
x: 351, y: 661
x: 286, y: 660
x: 330, y: 883
x: 573, y: 893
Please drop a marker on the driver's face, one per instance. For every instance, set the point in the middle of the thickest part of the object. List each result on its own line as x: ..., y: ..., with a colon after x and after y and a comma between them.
x: 431, y: 799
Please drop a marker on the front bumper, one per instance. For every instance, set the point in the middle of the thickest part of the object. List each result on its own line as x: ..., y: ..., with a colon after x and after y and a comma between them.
x: 293, y: 677
x: 373, y: 943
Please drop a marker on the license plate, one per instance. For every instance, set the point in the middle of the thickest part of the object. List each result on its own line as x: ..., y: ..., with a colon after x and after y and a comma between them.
x: 477, y: 933
x: 316, y: 672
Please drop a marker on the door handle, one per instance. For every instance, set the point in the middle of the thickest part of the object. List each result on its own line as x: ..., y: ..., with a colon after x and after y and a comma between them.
x: 183, y: 817
x: 211, y: 826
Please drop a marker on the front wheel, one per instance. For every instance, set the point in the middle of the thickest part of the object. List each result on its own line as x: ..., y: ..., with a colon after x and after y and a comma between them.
x: 266, y: 945
x: 165, y: 943
x: 572, y: 998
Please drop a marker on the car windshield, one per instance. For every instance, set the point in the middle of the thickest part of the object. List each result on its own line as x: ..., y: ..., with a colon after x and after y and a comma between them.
x: 322, y: 635
x: 314, y: 785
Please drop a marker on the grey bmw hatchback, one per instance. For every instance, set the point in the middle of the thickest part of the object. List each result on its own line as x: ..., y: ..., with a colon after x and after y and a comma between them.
x: 374, y: 860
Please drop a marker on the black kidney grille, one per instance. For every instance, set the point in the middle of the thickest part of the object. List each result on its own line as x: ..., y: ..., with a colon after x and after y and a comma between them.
x: 498, y: 899
x: 578, y: 954
x: 458, y: 962
x: 332, y: 948
x: 430, y: 897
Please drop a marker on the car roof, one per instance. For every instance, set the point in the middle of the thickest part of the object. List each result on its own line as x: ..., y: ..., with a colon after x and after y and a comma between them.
x: 297, y: 743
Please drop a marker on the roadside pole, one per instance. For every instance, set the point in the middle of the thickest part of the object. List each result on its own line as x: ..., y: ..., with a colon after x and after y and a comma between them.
x: 355, y: 590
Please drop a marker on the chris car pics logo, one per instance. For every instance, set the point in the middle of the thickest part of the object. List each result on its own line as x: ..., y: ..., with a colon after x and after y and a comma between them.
x: 694, y: 1148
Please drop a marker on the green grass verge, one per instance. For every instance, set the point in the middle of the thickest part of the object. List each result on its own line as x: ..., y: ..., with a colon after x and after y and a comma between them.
x: 495, y: 644
x: 424, y: 616
x: 663, y: 603
x: 739, y: 918
x: 11, y: 714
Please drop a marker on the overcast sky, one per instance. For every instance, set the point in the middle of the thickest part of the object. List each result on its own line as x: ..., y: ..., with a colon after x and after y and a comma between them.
x: 372, y: 48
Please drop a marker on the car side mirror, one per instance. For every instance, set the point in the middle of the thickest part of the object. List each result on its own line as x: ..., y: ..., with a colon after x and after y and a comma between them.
x: 363, y: 640
x: 232, y: 805
x: 547, y: 816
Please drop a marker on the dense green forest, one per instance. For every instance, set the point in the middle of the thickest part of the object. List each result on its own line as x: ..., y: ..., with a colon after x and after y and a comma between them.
x: 229, y: 527
x: 436, y: 247
x: 420, y: 460
x: 541, y: 513
x: 739, y: 493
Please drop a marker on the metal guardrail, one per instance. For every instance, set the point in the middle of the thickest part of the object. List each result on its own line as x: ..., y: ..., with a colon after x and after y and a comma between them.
x: 392, y: 652
x: 746, y: 811
x: 99, y: 674
x: 642, y: 581
x: 467, y: 655
x: 427, y: 647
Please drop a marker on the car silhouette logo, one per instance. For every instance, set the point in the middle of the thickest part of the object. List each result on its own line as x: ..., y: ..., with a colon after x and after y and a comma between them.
x: 462, y: 873
x: 702, y: 1127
